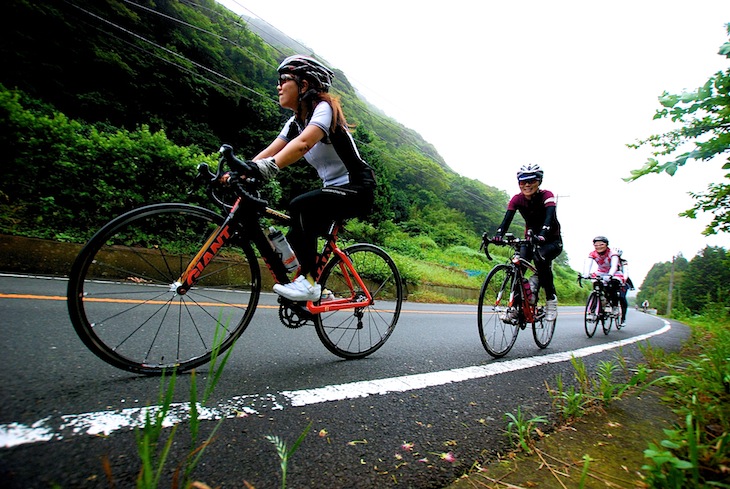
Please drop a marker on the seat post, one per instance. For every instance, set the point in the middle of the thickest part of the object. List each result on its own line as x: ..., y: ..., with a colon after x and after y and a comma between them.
x: 334, y: 229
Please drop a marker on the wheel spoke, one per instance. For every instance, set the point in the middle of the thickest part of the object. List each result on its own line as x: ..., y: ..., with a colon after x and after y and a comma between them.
x: 356, y: 333
x: 497, y: 319
x: 123, y: 303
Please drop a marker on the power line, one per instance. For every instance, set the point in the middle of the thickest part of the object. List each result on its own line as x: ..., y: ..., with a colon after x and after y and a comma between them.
x: 383, y: 120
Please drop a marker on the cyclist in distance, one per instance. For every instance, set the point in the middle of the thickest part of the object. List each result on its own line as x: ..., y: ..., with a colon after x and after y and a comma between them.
x: 318, y: 132
x: 625, y: 286
x: 605, y: 263
x: 538, y: 208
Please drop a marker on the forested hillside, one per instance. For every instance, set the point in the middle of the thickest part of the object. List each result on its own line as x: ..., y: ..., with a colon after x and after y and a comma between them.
x: 194, y: 71
x: 699, y: 286
x: 110, y: 104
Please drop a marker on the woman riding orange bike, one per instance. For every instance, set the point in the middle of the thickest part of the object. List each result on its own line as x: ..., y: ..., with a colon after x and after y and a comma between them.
x: 318, y: 132
x: 170, y: 286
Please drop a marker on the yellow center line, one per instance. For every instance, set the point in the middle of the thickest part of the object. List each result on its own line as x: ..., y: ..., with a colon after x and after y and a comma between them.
x: 213, y: 304
x: 115, y: 301
x: 134, y: 301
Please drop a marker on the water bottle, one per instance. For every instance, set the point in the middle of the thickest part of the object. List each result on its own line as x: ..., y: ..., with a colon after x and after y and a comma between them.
x: 282, y: 248
x: 528, y: 291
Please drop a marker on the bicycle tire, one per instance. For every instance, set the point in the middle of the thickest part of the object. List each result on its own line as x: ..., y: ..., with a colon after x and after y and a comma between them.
x: 608, y: 319
x: 619, y: 324
x: 542, y: 329
x: 121, y: 292
x: 593, y: 314
x: 357, y: 333
x: 498, y: 320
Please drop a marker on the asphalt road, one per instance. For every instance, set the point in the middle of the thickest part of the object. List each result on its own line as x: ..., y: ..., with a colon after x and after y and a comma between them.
x: 418, y: 413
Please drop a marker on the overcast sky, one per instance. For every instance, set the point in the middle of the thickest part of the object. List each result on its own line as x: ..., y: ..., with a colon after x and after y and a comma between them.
x: 565, y: 84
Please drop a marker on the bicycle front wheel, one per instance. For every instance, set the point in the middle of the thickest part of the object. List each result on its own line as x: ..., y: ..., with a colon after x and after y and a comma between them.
x: 542, y: 329
x: 607, y: 318
x: 593, y: 314
x: 497, y: 315
x: 619, y: 323
x: 356, y: 333
x: 122, y: 296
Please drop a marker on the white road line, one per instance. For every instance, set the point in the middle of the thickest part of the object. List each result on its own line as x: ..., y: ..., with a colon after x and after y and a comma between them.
x: 106, y: 422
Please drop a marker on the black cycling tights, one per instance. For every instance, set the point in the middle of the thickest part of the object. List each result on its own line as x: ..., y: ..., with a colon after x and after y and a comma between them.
x: 313, y: 212
x: 546, y: 253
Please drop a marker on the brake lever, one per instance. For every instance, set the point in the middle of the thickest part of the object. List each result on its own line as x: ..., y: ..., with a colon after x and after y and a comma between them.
x: 204, y: 176
x: 485, y: 246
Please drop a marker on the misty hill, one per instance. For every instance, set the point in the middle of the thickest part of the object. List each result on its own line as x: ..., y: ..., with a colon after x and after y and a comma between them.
x: 194, y: 70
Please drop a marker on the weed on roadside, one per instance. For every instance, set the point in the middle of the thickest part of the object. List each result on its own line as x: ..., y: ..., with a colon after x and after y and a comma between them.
x: 520, y: 430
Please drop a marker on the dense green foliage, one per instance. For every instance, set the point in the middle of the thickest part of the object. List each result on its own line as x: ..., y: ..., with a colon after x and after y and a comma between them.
x: 704, y: 121
x: 699, y: 286
x: 64, y: 179
x: 696, y: 452
x: 193, y: 71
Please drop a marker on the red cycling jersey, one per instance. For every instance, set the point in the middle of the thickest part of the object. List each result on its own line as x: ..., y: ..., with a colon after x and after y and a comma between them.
x: 534, y: 212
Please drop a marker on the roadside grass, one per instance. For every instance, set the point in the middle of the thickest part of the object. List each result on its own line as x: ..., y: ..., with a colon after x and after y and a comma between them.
x: 696, y: 386
x: 696, y: 453
x: 152, y: 451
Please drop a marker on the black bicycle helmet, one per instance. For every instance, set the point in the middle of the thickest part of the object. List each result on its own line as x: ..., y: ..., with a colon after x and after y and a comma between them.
x: 529, y: 171
x: 601, y: 238
x: 305, y: 67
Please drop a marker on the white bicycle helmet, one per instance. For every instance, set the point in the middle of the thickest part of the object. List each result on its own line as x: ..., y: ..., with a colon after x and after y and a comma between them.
x: 319, y: 76
x: 529, y: 171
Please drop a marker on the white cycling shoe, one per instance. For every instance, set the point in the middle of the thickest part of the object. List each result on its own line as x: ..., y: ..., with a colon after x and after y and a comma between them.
x: 299, y: 290
x: 551, y: 309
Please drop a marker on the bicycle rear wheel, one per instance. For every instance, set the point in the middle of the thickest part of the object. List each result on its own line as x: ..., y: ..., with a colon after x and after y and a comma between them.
x: 122, y: 299
x: 356, y: 333
x: 593, y: 314
x: 497, y: 313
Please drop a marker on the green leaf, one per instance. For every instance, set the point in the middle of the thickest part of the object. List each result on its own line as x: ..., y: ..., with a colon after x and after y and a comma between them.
x: 668, y: 100
x: 706, y: 90
x: 688, y: 97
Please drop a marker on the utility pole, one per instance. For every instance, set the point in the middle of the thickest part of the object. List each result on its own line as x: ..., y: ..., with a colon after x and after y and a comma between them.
x: 671, y: 289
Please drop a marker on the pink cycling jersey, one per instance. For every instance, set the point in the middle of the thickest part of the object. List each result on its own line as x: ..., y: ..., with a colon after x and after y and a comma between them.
x: 606, y: 264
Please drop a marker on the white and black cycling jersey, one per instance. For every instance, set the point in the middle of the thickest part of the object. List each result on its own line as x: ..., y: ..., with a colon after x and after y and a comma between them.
x: 335, y: 156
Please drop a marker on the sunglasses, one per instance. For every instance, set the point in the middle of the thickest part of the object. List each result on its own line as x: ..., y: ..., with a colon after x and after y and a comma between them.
x: 529, y: 182
x: 285, y: 78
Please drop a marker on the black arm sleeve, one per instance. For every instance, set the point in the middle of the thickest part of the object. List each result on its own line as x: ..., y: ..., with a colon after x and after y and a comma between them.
x: 549, y: 220
x: 508, y: 216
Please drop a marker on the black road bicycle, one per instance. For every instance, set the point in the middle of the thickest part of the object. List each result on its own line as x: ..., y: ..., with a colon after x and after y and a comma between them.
x: 598, y: 308
x: 160, y: 287
x: 506, y: 306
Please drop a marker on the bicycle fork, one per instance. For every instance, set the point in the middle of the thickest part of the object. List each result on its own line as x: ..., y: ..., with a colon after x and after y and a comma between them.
x: 209, y: 250
x: 205, y: 255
